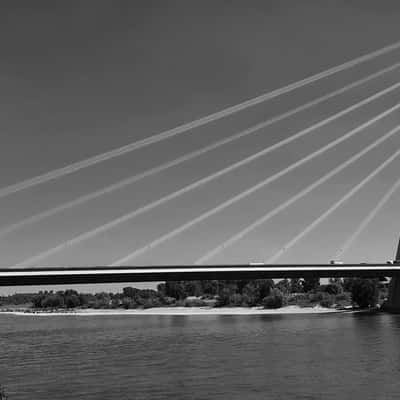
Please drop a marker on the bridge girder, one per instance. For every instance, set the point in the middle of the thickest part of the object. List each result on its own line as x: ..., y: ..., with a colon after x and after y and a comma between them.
x: 60, y: 275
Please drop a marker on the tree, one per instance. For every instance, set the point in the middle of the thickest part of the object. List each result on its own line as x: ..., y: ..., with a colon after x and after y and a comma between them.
x: 86, y: 299
x: 161, y: 289
x: 338, y: 281
x: 236, y: 299
x: 284, y: 286
x: 72, y: 300
x: 52, y: 300
x: 241, y: 285
x: 193, y: 288
x: 103, y: 300
x: 333, y: 288
x: 37, y: 300
x: 364, y: 292
x: 128, y: 302
x: 210, y: 287
x: 264, y: 287
x: 223, y: 298
x: 255, y: 291
x: 175, y: 289
x: 295, y: 285
x: 347, y: 284
x: 129, y: 292
x: 310, y: 283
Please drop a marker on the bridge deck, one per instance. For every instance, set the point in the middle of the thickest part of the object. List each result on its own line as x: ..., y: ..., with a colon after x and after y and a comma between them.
x: 103, y: 274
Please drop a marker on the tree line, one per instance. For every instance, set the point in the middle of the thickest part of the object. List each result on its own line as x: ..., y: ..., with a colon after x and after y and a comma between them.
x: 219, y: 293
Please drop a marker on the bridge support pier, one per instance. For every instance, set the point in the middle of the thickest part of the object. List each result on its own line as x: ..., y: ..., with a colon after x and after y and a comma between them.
x: 393, y: 302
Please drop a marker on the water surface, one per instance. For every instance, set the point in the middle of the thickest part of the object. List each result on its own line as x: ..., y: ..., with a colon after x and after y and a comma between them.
x: 338, y: 356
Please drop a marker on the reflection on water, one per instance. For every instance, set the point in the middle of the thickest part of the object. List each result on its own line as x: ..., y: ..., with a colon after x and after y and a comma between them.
x: 336, y: 356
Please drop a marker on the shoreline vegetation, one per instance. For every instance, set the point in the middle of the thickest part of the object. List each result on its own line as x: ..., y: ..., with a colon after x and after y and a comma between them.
x: 247, y: 297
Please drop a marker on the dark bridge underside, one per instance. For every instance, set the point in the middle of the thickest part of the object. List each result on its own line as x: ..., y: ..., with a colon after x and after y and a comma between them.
x: 62, y: 275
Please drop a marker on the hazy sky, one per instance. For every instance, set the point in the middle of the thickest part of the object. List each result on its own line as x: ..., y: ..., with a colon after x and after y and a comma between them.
x: 80, y: 78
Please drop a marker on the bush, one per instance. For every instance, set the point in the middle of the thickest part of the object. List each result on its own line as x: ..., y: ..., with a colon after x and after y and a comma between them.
x: 247, y: 301
x: 274, y: 300
x: 168, y: 301
x: 194, y: 303
x: 298, y: 298
x: 223, y: 298
x: 150, y: 302
x: 236, y: 299
x: 327, y: 300
x: 317, y: 297
x: 72, y: 301
x: 344, y: 296
x: 365, y: 292
x: 128, y: 303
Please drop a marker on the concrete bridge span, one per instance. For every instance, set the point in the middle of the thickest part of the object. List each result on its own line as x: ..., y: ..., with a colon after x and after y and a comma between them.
x: 102, y: 274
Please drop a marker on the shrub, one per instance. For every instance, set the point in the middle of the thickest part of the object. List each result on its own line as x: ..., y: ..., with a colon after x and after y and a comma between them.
x: 223, y: 298
x: 246, y: 300
x: 236, y: 299
x: 344, y: 296
x: 327, y: 300
x: 298, y: 298
x: 317, y: 297
x: 194, y: 303
x: 343, y: 299
x: 72, y: 301
x: 128, y: 302
x: 151, y: 302
x: 274, y: 300
x: 168, y: 301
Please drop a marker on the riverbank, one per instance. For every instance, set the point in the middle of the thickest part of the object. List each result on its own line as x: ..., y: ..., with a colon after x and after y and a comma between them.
x: 179, y: 311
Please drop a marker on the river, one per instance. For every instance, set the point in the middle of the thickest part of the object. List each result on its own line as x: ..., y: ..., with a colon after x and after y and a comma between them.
x: 334, y: 356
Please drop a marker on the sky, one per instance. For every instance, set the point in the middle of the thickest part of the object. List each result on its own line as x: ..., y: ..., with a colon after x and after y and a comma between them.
x: 81, y: 78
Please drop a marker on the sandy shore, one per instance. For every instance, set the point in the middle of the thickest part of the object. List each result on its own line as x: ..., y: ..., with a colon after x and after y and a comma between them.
x: 182, y: 311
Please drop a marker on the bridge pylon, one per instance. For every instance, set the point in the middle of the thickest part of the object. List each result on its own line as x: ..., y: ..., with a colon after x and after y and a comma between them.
x: 393, y: 302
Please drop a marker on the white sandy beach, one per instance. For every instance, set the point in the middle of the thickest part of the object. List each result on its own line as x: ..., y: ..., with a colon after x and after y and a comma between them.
x: 181, y: 311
